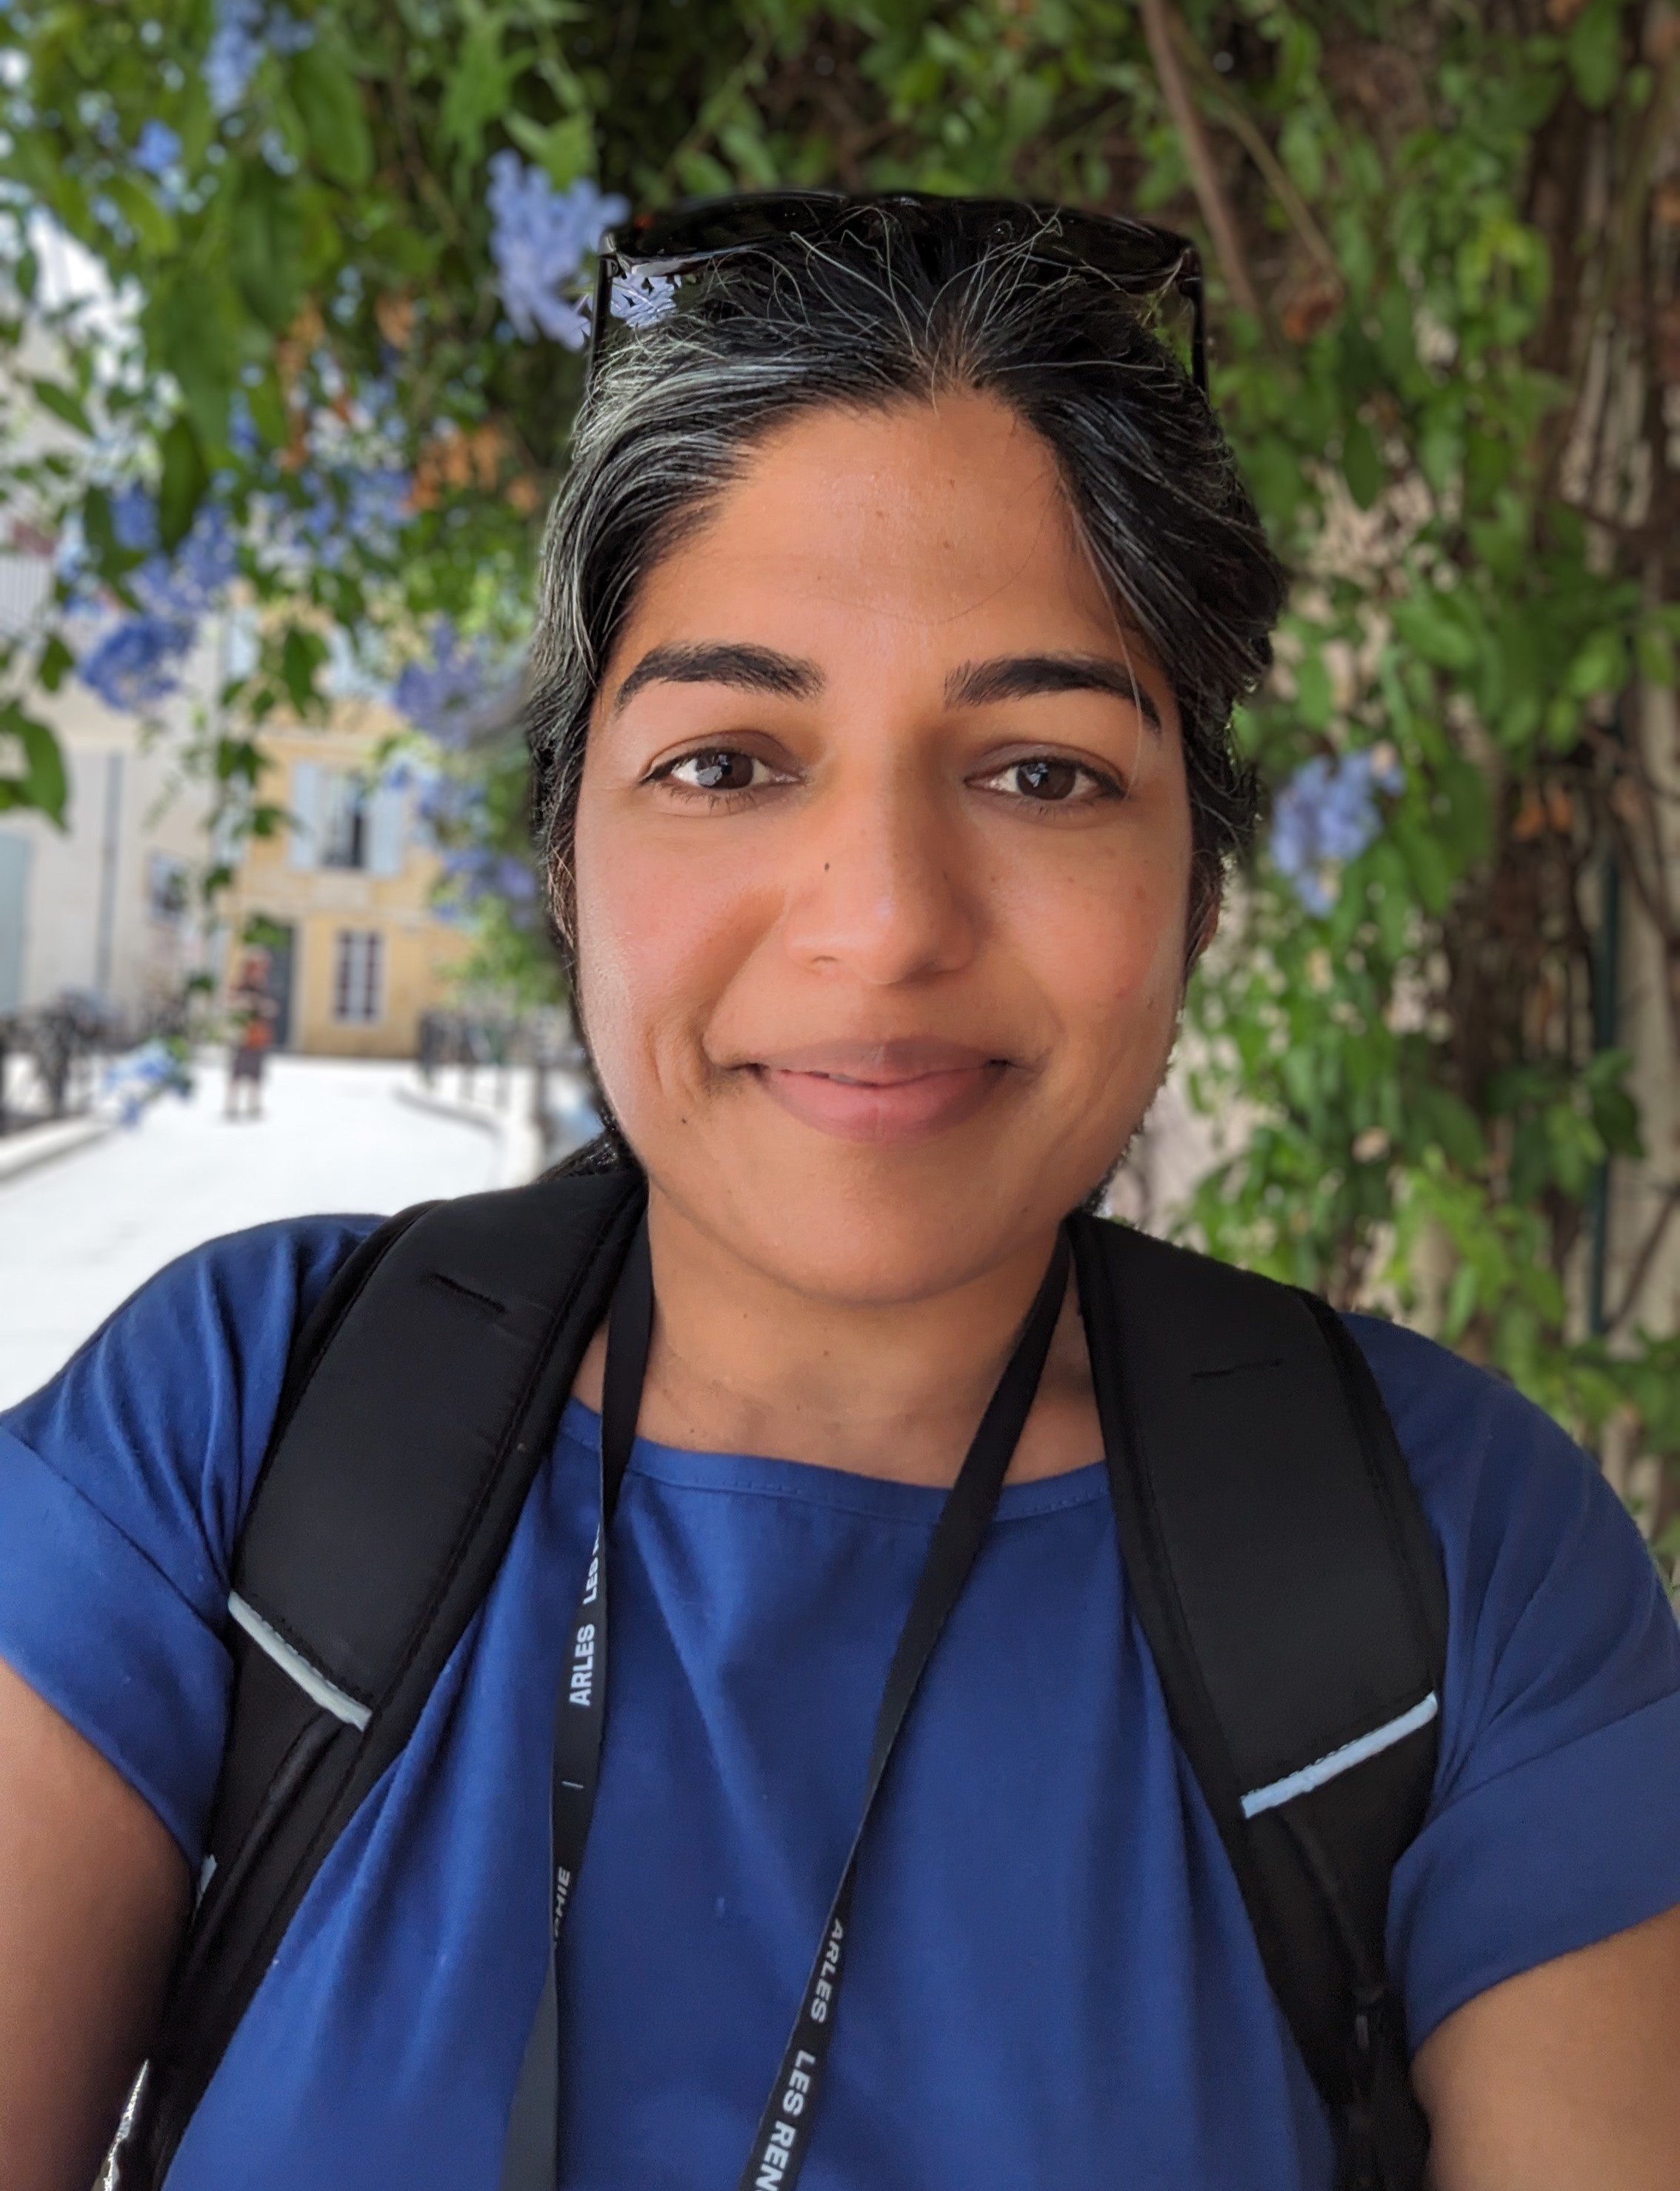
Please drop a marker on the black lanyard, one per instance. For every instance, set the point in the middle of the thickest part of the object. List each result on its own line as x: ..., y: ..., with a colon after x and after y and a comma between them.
x: 530, y: 2159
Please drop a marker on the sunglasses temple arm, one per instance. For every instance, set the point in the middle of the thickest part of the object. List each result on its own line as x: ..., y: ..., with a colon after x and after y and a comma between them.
x: 602, y: 307
x: 1190, y: 286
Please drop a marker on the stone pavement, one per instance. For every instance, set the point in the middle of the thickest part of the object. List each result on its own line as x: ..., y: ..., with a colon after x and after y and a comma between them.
x: 78, y: 1235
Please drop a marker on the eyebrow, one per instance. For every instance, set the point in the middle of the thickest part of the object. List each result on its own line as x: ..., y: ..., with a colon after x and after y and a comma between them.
x: 1025, y: 676
x: 749, y: 668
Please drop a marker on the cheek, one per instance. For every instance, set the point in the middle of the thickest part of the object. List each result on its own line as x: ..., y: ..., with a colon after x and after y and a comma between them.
x: 1107, y: 947
x: 659, y: 937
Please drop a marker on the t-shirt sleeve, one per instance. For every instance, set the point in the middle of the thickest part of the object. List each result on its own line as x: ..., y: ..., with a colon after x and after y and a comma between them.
x: 123, y: 1483
x: 1555, y: 1819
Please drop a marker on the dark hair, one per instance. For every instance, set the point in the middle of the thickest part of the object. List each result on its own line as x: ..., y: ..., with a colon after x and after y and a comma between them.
x: 876, y: 315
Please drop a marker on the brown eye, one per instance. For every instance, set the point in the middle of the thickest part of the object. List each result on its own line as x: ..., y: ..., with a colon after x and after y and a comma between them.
x: 1051, y: 780
x: 724, y: 769
x: 1046, y: 779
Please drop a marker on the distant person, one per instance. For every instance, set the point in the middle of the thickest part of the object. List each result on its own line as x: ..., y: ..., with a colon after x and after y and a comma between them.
x: 1075, y: 1713
x: 251, y: 1011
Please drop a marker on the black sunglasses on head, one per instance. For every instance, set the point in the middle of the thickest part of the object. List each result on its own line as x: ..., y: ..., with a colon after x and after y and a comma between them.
x: 1134, y: 255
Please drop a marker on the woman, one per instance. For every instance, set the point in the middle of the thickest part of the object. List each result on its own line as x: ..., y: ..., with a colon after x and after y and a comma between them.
x: 894, y: 612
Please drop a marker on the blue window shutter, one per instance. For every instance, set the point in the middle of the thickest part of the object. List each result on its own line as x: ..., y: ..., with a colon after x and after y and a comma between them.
x: 387, y: 830
x: 303, y: 800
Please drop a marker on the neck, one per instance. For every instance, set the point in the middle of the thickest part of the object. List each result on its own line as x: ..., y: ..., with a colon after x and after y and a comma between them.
x: 742, y: 1364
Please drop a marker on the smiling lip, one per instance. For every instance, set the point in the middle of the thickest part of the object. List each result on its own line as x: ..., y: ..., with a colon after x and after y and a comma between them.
x: 901, y: 1090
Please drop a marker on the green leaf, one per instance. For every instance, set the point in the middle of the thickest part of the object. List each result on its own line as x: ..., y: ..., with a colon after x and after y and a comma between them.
x: 1314, y: 700
x: 477, y: 87
x: 1600, y: 666
x: 330, y: 100
x: 268, y: 240
x: 153, y: 224
x: 1428, y: 622
x: 194, y: 328
x: 266, y: 403
x: 55, y: 663
x: 1362, y: 464
x: 301, y: 655
x: 96, y: 525
x: 1654, y: 650
x: 1616, y: 1116
x: 1593, y: 52
x: 241, y: 759
x: 564, y: 151
x: 1488, y: 459
x: 42, y: 787
x: 63, y: 404
x: 182, y: 487
x: 1302, y: 149
x: 1440, y: 451
x: 1460, y: 1301
x: 1431, y: 867
x: 919, y: 83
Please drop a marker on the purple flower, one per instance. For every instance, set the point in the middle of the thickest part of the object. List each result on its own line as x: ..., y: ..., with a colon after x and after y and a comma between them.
x: 134, y: 665
x: 447, y: 803
x: 369, y: 507
x: 182, y: 587
x: 475, y: 872
x: 242, y: 436
x: 134, y: 520
x: 1326, y: 814
x: 157, y: 150
x: 443, y: 698
x: 376, y: 501
x: 207, y: 561
x: 246, y: 30
x: 539, y: 237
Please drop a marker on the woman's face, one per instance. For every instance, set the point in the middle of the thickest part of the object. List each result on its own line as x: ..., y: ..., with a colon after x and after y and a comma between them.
x: 883, y: 856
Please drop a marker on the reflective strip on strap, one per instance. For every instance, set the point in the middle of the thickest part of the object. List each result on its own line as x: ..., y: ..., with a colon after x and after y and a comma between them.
x: 314, y: 1684
x: 1341, y: 1761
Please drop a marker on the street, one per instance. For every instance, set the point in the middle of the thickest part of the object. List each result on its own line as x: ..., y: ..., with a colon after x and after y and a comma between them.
x: 78, y: 1235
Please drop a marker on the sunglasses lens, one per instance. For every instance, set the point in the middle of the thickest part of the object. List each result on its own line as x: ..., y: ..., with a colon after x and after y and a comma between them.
x: 1144, y: 261
x: 728, y: 224
x: 1139, y: 257
x: 1126, y: 251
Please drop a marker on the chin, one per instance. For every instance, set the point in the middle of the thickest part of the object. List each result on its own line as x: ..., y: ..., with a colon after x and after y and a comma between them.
x: 866, y: 1227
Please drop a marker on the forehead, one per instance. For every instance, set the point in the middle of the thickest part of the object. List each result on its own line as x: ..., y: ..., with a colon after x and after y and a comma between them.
x: 918, y: 535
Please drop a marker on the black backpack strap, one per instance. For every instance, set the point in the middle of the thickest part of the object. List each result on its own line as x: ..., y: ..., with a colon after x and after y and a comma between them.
x: 422, y: 1396
x: 1289, y: 1587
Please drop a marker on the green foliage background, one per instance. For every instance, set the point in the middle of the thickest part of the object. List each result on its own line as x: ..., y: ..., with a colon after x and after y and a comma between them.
x: 1441, y: 240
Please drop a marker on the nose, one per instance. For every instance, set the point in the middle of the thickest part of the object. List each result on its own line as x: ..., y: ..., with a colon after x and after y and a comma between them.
x: 878, y: 888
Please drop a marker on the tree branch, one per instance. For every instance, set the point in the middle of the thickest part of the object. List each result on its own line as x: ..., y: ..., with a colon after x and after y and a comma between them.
x: 1158, y: 18
x: 1646, y: 1257
x: 1235, y: 117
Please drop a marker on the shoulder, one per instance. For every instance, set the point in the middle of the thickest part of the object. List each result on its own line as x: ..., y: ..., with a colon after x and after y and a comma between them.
x: 1511, y: 1497
x: 1551, y: 1822
x: 1561, y: 1642
x: 1545, y: 1568
x: 1466, y: 1432
x: 124, y: 1484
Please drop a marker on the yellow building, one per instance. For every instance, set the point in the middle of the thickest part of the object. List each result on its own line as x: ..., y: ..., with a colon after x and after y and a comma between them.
x: 341, y: 899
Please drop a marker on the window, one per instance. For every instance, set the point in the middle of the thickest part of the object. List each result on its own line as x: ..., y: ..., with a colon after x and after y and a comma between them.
x: 340, y: 820
x: 343, y: 820
x: 358, y: 971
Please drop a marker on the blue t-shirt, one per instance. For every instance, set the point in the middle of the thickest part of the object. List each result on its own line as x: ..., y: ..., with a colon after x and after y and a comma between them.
x: 1052, y: 1979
